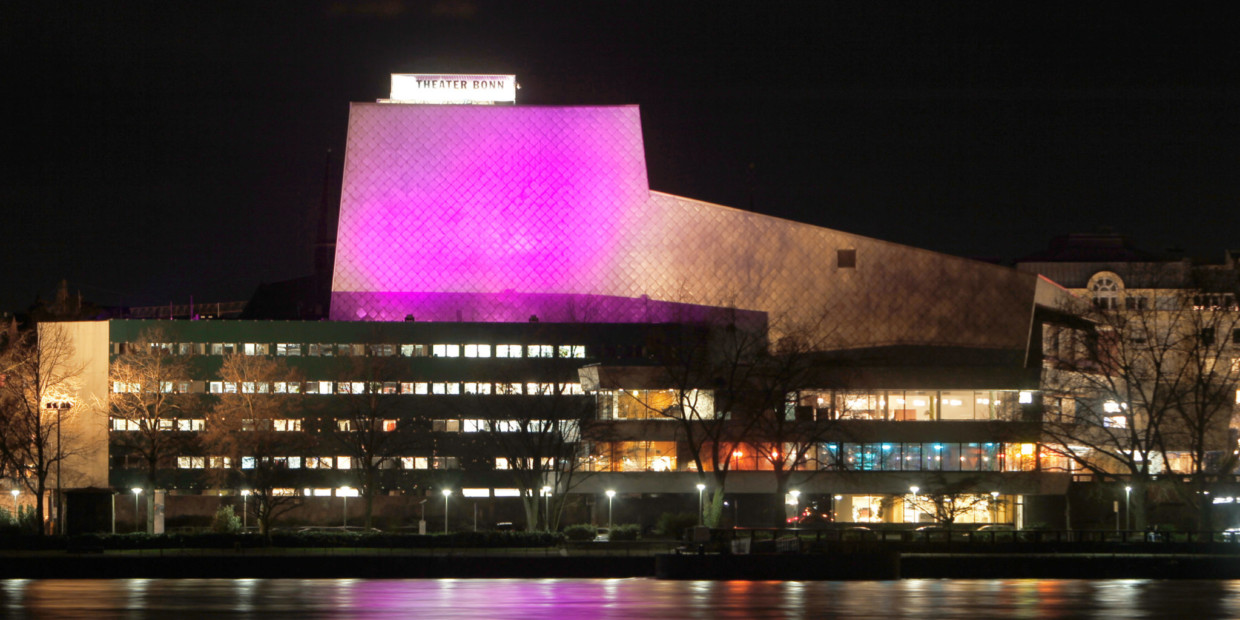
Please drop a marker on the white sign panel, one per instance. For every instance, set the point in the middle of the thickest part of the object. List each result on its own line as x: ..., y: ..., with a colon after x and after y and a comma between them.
x: 426, y: 88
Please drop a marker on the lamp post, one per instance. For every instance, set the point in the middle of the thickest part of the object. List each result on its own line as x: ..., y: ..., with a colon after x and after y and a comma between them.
x: 914, y: 490
x: 994, y: 506
x: 136, y: 492
x: 546, y: 491
x: 344, y: 494
x: 15, y: 493
x: 446, y: 493
x: 245, y: 508
x: 60, y: 407
x: 1127, y: 505
x: 701, y: 509
x: 835, y: 507
x: 610, y: 495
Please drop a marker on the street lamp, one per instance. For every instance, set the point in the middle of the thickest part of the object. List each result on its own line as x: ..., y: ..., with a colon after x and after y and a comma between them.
x: 136, y: 492
x: 701, y: 518
x: 610, y: 495
x: 1127, y: 505
x: 343, y: 492
x: 916, y: 516
x: 446, y: 493
x: 15, y: 493
x: 245, y: 508
x: 60, y: 407
x: 546, y: 491
x: 796, y: 503
x: 994, y: 506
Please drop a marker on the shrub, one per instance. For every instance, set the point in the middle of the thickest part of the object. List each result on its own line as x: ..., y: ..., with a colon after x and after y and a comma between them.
x: 579, y: 532
x: 225, y: 521
x: 628, y: 531
x: 674, y: 524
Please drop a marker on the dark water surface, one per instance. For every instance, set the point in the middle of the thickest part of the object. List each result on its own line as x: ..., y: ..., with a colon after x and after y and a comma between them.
x: 616, y: 598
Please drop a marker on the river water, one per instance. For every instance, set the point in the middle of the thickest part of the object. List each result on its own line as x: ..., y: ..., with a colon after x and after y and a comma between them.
x: 617, y: 598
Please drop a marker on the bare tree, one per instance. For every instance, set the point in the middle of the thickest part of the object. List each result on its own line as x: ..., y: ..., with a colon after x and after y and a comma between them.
x: 253, y: 430
x: 1147, y: 389
x: 40, y: 377
x: 710, y: 373
x: 152, y: 407
x: 948, y: 500
x: 374, y: 428
x: 535, y: 422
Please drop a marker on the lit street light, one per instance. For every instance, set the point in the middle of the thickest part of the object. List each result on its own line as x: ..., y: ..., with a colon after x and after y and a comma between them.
x: 136, y: 492
x: 994, y: 506
x: 610, y: 495
x: 701, y: 509
x: 344, y: 494
x: 245, y: 505
x: 1127, y: 505
x: 15, y: 493
x: 446, y: 493
x: 546, y: 491
x: 796, y: 505
x: 914, y: 489
x: 60, y: 407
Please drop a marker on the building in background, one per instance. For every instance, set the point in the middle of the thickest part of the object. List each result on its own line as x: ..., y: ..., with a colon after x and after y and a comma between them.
x: 492, y: 259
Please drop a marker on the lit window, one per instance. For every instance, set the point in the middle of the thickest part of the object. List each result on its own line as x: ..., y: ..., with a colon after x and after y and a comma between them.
x: 191, y: 462
x: 389, y: 426
x: 1110, y: 406
x: 475, y: 492
x: 344, y: 426
x: 446, y: 426
x: 477, y: 350
x: 230, y: 387
x: 446, y: 350
x: 540, y: 350
x: 413, y: 350
x: 219, y: 462
x: 287, y: 424
x: 508, y: 350
x: 501, y: 462
x: 318, y: 462
x: 344, y: 462
x: 421, y: 387
x: 252, y: 348
x: 288, y: 350
x: 1115, y: 421
x: 247, y: 387
x: 1026, y: 398
x: 247, y: 462
x: 390, y: 387
x: 190, y: 425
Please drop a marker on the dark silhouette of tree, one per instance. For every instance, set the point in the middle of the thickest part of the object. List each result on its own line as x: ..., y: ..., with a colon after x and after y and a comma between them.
x: 253, y: 429
x: 152, y: 407
x: 38, y: 370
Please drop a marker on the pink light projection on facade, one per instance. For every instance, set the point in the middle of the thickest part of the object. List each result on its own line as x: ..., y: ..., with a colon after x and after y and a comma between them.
x: 497, y: 213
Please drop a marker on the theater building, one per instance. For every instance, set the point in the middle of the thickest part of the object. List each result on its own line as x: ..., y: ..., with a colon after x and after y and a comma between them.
x: 506, y: 255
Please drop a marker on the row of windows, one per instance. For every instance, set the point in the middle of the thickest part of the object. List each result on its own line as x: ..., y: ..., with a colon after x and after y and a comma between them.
x: 446, y: 388
x: 285, y: 349
x: 569, y: 428
x: 927, y: 456
x: 316, y: 462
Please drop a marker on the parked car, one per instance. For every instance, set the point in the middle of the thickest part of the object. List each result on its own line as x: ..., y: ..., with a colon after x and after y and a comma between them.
x: 858, y: 532
x: 996, y: 532
x: 602, y: 534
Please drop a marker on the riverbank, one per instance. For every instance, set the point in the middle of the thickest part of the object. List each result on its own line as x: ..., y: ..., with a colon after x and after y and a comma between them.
x: 870, y: 565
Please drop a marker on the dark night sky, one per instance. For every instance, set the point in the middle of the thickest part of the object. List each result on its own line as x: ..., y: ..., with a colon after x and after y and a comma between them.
x: 160, y: 150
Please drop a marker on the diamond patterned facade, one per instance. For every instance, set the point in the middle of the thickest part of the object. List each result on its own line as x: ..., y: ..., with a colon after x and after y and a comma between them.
x: 497, y: 213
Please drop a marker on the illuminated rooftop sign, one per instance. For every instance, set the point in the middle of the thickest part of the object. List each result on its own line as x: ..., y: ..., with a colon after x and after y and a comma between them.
x: 451, y: 88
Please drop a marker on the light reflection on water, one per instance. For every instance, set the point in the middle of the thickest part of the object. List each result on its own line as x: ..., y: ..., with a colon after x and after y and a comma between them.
x: 618, y: 598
